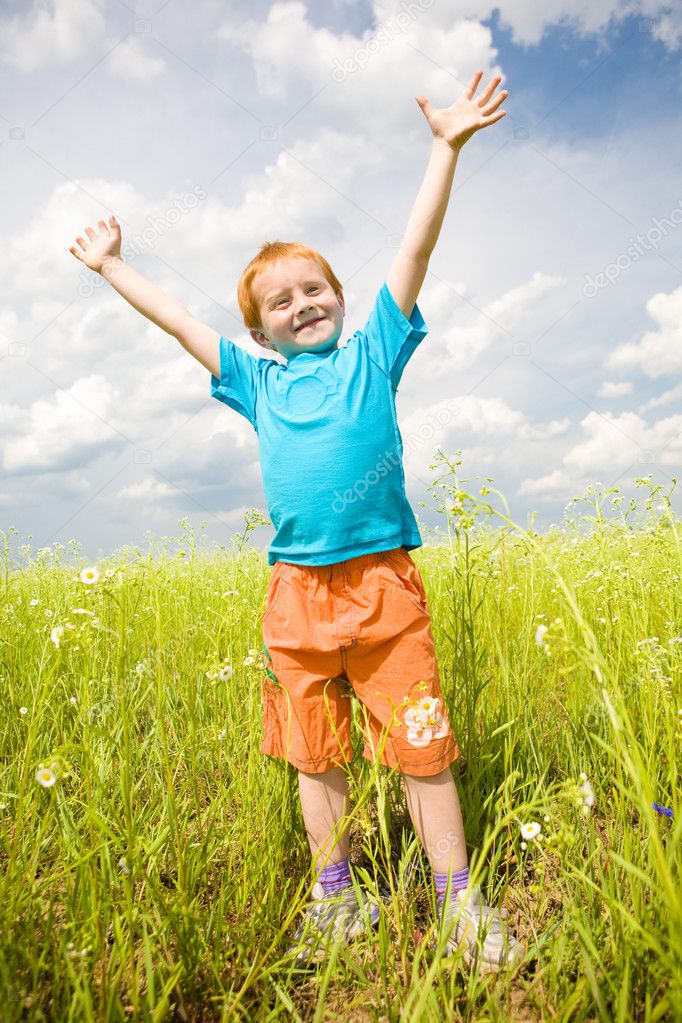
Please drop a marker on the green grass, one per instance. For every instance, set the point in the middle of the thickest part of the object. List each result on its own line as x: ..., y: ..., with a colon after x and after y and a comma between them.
x: 160, y: 876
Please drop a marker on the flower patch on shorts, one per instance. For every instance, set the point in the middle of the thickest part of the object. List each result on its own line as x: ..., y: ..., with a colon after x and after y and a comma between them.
x: 424, y: 720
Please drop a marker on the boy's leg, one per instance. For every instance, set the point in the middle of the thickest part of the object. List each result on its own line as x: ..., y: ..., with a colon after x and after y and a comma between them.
x: 433, y: 803
x: 324, y: 801
x: 434, y: 807
x: 335, y: 913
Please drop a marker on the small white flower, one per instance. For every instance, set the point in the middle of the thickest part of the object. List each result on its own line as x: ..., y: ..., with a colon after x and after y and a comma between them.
x: 81, y: 611
x: 539, y: 635
x: 546, y: 818
x: 222, y: 734
x: 46, y: 777
x: 248, y: 660
x: 73, y: 700
x: 89, y: 575
x: 33, y: 602
x: 587, y: 794
x: 225, y: 673
x: 140, y: 668
x: 253, y: 651
x: 231, y: 593
x: 531, y: 830
x: 418, y: 736
x: 583, y: 776
x: 523, y: 845
x: 57, y: 634
x: 23, y: 710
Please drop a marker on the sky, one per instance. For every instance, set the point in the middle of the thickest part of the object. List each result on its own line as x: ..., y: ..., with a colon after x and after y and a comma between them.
x: 553, y: 298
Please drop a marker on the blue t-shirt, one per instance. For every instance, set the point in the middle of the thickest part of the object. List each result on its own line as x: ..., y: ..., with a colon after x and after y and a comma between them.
x: 330, y: 447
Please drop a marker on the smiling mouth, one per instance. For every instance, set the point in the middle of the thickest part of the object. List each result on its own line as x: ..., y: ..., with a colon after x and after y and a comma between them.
x: 310, y: 323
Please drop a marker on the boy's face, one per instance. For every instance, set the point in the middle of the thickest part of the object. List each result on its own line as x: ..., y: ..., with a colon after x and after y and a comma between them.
x: 292, y: 293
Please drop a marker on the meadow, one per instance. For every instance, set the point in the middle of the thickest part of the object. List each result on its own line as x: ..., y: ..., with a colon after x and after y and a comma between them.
x: 153, y: 862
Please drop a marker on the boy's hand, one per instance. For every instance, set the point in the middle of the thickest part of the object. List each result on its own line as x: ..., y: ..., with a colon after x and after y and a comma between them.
x: 101, y: 246
x: 455, y: 124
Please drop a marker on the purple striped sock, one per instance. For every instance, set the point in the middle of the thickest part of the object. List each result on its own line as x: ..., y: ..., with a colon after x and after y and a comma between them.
x: 460, y: 880
x: 335, y: 877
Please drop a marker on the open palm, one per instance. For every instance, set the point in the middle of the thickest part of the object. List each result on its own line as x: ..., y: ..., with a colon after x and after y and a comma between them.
x: 106, y: 243
x: 458, y: 122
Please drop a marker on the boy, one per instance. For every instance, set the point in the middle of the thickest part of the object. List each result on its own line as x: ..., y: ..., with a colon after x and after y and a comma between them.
x: 345, y: 603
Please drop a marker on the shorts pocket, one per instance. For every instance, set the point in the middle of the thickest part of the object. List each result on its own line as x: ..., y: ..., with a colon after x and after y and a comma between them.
x: 276, y: 587
x: 406, y: 575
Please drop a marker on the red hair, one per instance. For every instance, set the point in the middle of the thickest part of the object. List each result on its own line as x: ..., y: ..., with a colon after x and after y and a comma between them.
x: 269, y: 254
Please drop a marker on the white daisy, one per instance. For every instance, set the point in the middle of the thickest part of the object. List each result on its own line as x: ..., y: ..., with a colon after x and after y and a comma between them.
x: 530, y: 831
x: 225, y: 673
x: 587, y: 794
x: 89, y: 575
x: 539, y: 635
x: 46, y: 777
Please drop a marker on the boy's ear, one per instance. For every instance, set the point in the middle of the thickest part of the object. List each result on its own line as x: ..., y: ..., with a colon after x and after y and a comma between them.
x: 261, y: 340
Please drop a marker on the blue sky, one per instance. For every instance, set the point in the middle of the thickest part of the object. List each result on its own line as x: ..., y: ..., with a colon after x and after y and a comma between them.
x: 109, y: 433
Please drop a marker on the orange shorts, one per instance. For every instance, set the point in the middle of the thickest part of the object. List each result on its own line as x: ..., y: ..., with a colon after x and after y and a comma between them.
x: 359, y: 626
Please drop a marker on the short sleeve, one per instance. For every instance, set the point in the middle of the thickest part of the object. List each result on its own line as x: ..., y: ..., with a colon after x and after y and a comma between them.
x: 390, y: 337
x: 238, y: 380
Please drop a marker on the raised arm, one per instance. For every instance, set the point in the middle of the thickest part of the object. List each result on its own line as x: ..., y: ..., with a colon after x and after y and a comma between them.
x: 451, y: 127
x: 102, y: 253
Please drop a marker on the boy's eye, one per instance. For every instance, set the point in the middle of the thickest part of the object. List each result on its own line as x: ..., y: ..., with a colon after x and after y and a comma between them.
x: 313, y: 287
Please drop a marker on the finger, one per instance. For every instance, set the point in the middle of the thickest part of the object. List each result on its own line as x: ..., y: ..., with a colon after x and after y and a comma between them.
x: 102, y: 226
x: 71, y: 249
x: 493, y: 118
x: 114, y: 224
x: 82, y: 242
x: 491, y: 107
x: 473, y: 83
x: 485, y: 96
x: 90, y: 233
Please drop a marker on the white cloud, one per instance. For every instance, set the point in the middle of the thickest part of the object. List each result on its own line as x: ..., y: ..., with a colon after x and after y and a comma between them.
x: 672, y: 394
x: 450, y: 423
x: 50, y: 33
x: 500, y: 317
x: 615, y: 442
x: 658, y: 352
x: 70, y: 427
x: 611, y: 389
x: 381, y: 64
x: 130, y: 60
x: 148, y: 489
x: 555, y: 486
x: 528, y: 21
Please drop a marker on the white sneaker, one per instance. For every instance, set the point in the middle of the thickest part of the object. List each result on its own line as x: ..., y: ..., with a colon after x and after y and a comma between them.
x: 329, y: 918
x: 479, y: 931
